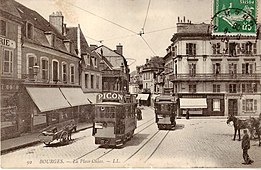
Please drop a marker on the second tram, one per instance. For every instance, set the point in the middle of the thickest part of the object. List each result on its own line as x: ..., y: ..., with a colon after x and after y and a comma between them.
x: 165, y: 111
x: 114, y: 119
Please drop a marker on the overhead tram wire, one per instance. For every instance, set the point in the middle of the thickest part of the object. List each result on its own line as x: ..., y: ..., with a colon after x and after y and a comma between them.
x: 101, y: 17
x: 146, y: 16
x: 148, y: 45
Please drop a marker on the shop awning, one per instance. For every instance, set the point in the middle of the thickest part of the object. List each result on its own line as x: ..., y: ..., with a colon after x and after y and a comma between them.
x: 47, y: 99
x: 193, y: 103
x: 91, y: 97
x: 75, y: 96
x: 142, y: 97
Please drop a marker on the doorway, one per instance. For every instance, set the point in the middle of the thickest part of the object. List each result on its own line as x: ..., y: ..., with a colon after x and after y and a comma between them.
x: 232, y: 107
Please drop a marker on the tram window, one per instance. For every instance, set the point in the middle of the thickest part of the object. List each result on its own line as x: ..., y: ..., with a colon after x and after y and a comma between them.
x: 102, y: 114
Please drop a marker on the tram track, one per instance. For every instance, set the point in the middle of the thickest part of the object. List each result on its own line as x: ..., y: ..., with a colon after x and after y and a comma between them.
x: 114, y: 148
x: 157, y: 146
x: 146, y: 143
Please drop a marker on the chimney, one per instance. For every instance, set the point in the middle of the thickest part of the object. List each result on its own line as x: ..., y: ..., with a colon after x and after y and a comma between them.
x: 119, y: 49
x: 178, y: 20
x: 64, y: 30
x: 184, y: 19
x: 56, y: 20
x: 147, y: 60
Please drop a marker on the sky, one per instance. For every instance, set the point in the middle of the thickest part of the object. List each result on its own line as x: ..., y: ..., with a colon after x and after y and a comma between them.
x: 113, y: 22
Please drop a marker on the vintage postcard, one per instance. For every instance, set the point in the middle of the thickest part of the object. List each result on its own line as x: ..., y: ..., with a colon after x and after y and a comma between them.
x: 130, y: 83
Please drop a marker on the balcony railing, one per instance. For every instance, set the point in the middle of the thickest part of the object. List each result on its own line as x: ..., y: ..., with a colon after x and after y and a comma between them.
x: 214, y: 77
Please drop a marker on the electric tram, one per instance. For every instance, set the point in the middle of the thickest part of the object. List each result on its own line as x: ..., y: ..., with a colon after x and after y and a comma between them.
x: 165, y: 111
x: 114, y: 119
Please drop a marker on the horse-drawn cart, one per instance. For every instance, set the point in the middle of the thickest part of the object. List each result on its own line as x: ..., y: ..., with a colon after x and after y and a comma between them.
x: 60, y: 132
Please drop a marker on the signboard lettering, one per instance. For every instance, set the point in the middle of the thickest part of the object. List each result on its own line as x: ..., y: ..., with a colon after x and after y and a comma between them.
x: 7, y: 43
x: 110, y: 96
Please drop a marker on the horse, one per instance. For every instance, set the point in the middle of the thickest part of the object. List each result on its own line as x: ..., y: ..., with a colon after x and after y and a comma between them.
x: 256, y: 124
x: 240, y: 124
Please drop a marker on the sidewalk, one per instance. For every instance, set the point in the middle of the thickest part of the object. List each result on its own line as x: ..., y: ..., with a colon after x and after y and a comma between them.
x: 30, y: 139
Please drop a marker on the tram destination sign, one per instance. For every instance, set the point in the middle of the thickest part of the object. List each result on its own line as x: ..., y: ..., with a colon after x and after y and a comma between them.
x: 234, y: 17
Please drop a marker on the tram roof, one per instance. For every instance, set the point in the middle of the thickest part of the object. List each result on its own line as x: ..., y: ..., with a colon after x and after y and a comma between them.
x: 109, y: 103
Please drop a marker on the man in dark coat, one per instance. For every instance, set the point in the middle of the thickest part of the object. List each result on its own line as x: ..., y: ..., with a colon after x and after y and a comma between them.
x: 187, y: 114
x: 245, y: 147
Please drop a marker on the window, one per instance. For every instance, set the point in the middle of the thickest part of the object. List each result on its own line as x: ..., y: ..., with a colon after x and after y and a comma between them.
x: 216, y: 48
x: 97, y: 81
x: 247, y: 68
x: 64, y: 70
x: 232, y: 49
x: 55, y: 71
x: 216, y: 68
x: 7, y: 62
x: 88, y: 59
x: 92, y: 81
x: 216, y: 105
x: 190, y: 49
x: 249, y: 88
x: 192, y: 69
x: 232, y: 68
x: 86, y: 80
x: 232, y: 88
x: 3, y: 28
x: 192, y: 88
x: 95, y: 62
x: 216, y: 88
x: 249, y: 105
x: 44, y: 68
x: 30, y: 66
x: 72, y: 74
x: 30, y: 30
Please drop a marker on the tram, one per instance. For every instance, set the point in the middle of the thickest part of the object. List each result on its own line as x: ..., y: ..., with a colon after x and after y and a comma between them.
x: 114, y: 119
x: 165, y: 111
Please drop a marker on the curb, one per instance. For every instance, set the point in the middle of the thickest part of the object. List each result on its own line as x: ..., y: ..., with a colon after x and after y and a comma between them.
x: 5, y: 151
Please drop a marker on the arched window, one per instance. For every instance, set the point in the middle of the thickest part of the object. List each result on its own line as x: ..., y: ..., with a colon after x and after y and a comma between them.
x: 72, y: 73
x: 64, y: 72
x: 31, y: 61
x: 55, y: 71
x: 44, y: 68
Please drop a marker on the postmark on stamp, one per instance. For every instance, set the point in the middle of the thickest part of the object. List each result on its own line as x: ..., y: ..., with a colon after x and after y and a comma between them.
x: 234, y: 17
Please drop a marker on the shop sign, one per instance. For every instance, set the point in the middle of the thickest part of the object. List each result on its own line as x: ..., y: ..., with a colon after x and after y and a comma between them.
x: 7, y: 43
x: 110, y: 96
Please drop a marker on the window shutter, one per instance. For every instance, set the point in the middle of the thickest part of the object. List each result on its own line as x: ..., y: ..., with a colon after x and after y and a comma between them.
x: 238, y: 48
x: 255, y: 105
x: 243, y: 68
x: 244, y: 105
x: 250, y: 68
x: 187, y: 48
x: 238, y: 88
x: 254, y: 48
x: 194, y: 49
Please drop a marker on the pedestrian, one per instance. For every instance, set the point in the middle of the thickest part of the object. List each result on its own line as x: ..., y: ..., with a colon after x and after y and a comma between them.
x: 187, y: 114
x: 245, y: 147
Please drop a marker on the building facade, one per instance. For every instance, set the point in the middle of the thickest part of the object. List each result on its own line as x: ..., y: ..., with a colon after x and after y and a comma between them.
x: 11, y: 67
x: 221, y: 72
x: 115, y: 70
x: 47, y: 67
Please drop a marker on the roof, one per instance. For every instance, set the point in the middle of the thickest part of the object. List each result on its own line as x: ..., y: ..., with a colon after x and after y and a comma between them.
x: 8, y: 7
x: 41, y: 26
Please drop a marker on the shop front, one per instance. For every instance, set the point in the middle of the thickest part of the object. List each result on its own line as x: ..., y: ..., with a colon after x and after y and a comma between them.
x: 143, y: 99
x: 43, y: 106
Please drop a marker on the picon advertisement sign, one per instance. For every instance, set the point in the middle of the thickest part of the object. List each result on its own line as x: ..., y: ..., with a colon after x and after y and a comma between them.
x: 234, y: 17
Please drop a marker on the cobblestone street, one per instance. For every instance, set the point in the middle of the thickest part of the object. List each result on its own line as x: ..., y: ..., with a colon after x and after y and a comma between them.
x: 194, y: 143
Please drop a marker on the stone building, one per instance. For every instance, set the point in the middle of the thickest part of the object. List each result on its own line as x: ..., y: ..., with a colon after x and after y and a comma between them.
x: 215, y: 75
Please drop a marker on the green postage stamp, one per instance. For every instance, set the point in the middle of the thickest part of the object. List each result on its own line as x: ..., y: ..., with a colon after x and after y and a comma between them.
x: 234, y: 17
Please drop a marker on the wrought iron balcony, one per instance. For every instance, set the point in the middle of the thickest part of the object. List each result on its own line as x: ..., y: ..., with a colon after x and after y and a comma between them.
x: 215, y: 77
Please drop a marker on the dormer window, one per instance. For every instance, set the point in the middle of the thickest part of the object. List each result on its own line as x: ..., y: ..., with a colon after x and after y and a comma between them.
x: 67, y: 44
x: 51, y: 38
x: 29, y: 30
